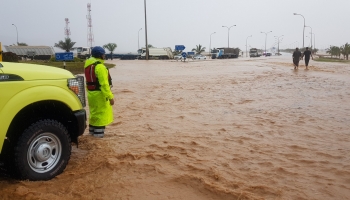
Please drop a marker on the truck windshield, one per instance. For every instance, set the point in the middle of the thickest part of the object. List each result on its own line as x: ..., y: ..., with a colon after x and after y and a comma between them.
x: 215, y: 51
x: 79, y: 49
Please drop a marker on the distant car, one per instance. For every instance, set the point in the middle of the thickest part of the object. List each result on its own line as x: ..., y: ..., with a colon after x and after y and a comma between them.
x: 178, y: 57
x: 268, y: 54
x: 199, y: 57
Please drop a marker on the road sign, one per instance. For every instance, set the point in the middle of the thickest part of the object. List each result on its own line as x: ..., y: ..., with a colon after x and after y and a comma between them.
x: 64, y: 56
x: 190, y: 53
x: 184, y: 54
x: 179, y: 47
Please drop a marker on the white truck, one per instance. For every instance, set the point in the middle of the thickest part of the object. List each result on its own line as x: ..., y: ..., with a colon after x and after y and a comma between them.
x: 83, y: 52
x: 253, y: 52
x: 156, y: 53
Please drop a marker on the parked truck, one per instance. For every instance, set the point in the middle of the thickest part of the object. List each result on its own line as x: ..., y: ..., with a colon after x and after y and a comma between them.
x: 32, y: 52
x: 253, y: 52
x: 224, y: 53
x: 42, y: 111
x: 83, y: 52
x: 156, y: 53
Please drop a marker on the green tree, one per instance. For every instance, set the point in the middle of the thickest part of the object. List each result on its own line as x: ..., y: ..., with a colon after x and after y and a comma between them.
x: 150, y: 46
x: 175, y: 52
x: 199, y: 49
x: 345, y: 50
x: 110, y: 47
x: 333, y: 51
x: 66, y: 45
x: 237, y: 50
x: 22, y: 44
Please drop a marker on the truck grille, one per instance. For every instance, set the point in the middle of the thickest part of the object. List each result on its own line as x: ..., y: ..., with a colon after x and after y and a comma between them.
x: 77, y: 86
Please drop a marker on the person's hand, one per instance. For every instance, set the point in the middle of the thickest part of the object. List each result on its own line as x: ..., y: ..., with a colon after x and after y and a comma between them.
x: 111, y: 101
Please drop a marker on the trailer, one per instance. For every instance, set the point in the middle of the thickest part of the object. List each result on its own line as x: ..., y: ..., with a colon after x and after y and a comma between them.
x: 128, y: 56
x: 156, y: 53
x: 32, y: 52
x: 224, y: 53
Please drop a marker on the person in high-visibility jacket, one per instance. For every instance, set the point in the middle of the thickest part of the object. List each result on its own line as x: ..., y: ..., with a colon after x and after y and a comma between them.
x: 100, y: 96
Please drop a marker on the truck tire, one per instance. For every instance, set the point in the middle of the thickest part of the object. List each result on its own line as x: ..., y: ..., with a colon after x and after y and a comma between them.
x: 42, y: 151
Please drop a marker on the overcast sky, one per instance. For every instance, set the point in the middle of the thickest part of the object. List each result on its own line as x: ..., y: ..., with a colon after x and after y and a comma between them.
x: 177, y: 22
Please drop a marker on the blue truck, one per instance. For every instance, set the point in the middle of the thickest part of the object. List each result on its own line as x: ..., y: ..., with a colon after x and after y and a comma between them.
x: 224, y: 53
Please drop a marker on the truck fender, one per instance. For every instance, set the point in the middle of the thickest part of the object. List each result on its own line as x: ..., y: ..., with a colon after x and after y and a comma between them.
x: 31, y: 95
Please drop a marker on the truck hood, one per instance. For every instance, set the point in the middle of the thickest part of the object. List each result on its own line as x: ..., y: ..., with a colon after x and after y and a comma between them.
x: 34, y: 72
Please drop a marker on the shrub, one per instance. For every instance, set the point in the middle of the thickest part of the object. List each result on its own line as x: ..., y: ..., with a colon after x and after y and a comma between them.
x: 9, y: 57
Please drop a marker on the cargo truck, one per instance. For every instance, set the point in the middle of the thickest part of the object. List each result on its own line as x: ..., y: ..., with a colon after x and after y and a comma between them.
x: 224, y: 53
x: 156, y: 53
x: 253, y: 52
x: 83, y: 52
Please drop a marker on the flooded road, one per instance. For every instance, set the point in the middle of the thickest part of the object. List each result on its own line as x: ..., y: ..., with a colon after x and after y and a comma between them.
x: 216, y: 129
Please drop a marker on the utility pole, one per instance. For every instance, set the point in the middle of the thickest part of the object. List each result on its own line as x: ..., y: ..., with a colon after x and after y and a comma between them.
x: 16, y: 32
x: 228, y: 35
x: 266, y: 39
x: 138, y: 39
x: 210, y: 44
x: 246, y: 55
x: 303, y: 27
x: 146, y: 31
x: 278, y: 43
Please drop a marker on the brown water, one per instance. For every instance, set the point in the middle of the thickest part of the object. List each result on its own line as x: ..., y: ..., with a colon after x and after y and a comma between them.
x: 221, y: 129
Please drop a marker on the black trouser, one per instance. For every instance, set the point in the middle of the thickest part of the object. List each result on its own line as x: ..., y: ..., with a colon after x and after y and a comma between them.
x: 96, y: 129
x: 307, y: 61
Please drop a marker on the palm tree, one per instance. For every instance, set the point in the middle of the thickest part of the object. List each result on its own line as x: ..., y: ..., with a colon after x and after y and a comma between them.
x: 334, y: 51
x: 199, y: 49
x: 345, y: 50
x: 66, y: 45
x: 176, y: 52
x: 110, y: 47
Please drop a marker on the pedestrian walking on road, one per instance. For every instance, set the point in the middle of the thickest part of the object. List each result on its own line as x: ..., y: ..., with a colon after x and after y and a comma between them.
x: 296, y: 58
x: 307, y: 53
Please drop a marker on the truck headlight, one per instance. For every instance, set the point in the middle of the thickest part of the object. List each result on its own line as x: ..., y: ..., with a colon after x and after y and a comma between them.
x: 77, y: 85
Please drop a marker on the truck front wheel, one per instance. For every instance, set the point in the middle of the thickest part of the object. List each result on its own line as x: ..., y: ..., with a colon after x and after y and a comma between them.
x: 42, y: 151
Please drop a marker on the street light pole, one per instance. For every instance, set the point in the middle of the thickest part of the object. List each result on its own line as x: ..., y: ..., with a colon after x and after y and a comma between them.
x: 246, y: 45
x: 278, y: 43
x: 138, y: 39
x: 210, y: 44
x: 303, y: 27
x: 228, y: 35
x: 146, y: 31
x: 314, y: 40
x: 266, y: 39
x: 311, y: 34
x: 16, y: 32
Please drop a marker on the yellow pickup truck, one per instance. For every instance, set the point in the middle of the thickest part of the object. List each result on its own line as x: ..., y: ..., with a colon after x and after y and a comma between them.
x: 41, y: 114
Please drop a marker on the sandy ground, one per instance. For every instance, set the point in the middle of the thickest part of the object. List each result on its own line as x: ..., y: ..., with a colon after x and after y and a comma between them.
x: 216, y: 129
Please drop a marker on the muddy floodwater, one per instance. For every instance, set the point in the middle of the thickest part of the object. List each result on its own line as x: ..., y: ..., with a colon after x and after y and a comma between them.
x: 246, y: 128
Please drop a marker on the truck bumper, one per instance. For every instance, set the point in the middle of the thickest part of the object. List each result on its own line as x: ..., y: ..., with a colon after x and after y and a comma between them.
x: 80, y: 115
